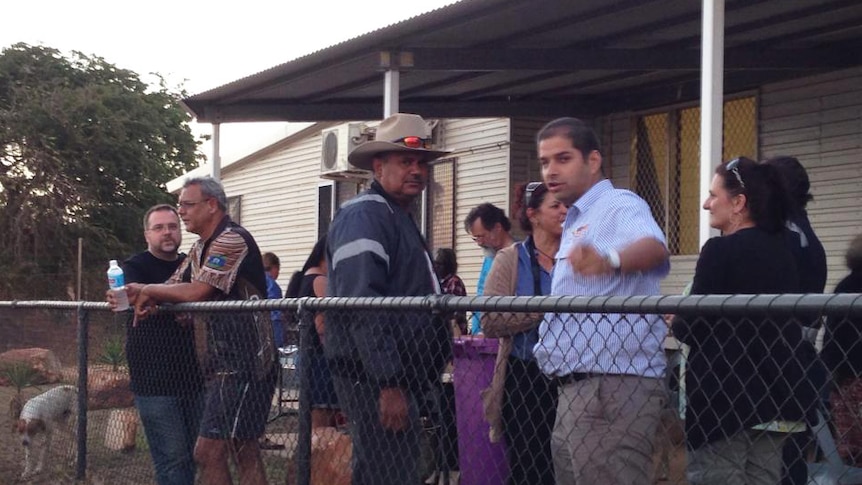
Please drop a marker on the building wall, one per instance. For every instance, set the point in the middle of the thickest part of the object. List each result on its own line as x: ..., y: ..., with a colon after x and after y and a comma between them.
x: 525, y: 165
x: 481, y: 175
x: 279, y: 201
x: 816, y: 119
x: 819, y: 121
x: 279, y: 191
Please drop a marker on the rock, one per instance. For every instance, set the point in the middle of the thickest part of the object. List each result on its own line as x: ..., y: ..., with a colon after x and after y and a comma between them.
x: 331, y: 451
x: 122, y: 429
x: 108, y: 389
x: 45, y: 364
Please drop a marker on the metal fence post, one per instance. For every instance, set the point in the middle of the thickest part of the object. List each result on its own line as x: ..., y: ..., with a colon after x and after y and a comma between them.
x: 441, y: 455
x: 83, y: 371
x: 303, y: 444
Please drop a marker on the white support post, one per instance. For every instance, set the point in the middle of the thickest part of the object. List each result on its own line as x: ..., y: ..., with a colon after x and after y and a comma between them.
x: 390, y: 92
x: 711, y: 102
x: 215, y: 163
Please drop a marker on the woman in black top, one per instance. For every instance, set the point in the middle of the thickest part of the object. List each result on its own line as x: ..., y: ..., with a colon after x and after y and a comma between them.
x: 811, y: 266
x: 742, y: 374
x: 311, y: 281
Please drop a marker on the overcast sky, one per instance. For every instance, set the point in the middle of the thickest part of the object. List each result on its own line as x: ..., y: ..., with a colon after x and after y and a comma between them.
x: 201, y: 44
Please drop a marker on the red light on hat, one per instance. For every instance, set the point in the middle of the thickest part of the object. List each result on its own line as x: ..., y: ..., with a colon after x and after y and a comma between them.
x: 414, y: 142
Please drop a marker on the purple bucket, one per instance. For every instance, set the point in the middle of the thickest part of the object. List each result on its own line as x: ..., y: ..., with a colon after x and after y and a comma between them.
x: 481, y: 462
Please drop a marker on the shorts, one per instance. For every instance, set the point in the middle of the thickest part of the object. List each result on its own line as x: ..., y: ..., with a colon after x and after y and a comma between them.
x: 235, y: 407
x: 322, y: 390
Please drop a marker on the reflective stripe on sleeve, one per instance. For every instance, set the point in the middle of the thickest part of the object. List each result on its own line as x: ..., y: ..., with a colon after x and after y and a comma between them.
x: 357, y: 247
x: 368, y: 198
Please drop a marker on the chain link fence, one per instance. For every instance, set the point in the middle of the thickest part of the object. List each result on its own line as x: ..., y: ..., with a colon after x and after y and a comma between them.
x: 744, y: 367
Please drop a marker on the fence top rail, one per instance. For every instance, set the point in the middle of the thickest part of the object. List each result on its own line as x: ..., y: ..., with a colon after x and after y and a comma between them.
x: 845, y: 304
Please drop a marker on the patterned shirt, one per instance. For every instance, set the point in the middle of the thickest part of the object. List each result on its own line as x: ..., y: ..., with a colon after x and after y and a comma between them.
x: 230, y: 262
x: 453, y: 285
x: 606, y: 218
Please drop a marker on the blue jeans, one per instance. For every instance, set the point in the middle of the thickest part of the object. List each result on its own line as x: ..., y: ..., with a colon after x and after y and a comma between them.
x: 171, y: 424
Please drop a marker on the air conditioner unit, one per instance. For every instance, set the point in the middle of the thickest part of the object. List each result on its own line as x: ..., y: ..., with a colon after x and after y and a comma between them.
x: 335, y: 145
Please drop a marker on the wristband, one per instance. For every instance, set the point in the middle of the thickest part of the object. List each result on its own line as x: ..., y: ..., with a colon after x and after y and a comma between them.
x: 613, y: 258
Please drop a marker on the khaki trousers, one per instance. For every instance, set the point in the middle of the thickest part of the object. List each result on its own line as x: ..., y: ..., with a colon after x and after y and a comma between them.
x: 605, y: 430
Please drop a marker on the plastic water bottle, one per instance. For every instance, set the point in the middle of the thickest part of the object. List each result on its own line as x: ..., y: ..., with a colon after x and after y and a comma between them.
x: 117, y: 283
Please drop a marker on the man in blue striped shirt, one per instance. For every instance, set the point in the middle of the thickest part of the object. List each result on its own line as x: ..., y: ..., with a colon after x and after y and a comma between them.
x: 609, y: 366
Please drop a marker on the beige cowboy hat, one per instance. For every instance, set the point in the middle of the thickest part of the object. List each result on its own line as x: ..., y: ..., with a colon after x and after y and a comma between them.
x: 401, y: 132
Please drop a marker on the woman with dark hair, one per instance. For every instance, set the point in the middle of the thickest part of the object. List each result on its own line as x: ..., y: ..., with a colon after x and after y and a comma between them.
x: 522, y: 402
x: 811, y: 267
x: 807, y: 248
x: 311, y: 281
x: 746, y: 387
x: 446, y: 269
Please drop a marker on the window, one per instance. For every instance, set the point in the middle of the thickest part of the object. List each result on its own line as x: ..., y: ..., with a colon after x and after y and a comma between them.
x: 440, y: 205
x: 665, y: 164
x: 234, y: 208
x: 324, y: 209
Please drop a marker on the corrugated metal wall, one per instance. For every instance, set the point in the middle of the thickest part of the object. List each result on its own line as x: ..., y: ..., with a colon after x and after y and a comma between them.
x: 819, y: 121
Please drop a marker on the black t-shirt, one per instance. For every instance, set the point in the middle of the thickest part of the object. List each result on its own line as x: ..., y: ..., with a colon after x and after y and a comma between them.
x: 809, y: 255
x: 160, y: 351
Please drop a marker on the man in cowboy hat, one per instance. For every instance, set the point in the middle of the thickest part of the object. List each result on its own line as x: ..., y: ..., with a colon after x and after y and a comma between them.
x: 383, y: 362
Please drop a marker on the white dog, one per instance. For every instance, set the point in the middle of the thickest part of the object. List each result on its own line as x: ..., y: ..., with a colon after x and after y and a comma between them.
x: 42, y: 416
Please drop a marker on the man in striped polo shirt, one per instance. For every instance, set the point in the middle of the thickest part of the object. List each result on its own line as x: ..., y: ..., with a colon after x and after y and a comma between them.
x: 609, y: 366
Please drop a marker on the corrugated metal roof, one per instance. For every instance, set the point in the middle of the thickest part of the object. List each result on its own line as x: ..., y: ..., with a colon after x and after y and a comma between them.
x: 544, y: 58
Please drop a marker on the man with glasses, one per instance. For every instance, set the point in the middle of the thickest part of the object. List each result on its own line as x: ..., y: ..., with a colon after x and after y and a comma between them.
x: 165, y: 378
x: 609, y: 367
x: 224, y: 264
x: 489, y: 227
x: 383, y: 362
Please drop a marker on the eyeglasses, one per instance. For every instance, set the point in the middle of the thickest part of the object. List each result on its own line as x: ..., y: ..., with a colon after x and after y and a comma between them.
x: 480, y: 237
x: 184, y: 204
x: 162, y: 227
x: 733, y: 166
x: 528, y: 192
x: 477, y: 237
x: 414, y: 142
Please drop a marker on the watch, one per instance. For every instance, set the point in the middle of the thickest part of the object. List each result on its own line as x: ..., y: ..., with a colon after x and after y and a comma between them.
x: 613, y: 259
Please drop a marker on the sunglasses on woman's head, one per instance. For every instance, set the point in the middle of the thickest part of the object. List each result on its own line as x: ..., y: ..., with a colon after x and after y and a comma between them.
x: 528, y: 192
x: 733, y: 166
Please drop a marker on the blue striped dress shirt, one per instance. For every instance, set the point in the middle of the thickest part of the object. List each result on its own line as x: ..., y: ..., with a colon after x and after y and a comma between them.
x: 606, y: 218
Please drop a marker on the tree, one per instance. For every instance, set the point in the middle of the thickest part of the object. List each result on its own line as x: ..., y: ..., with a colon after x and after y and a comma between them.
x: 85, y: 149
